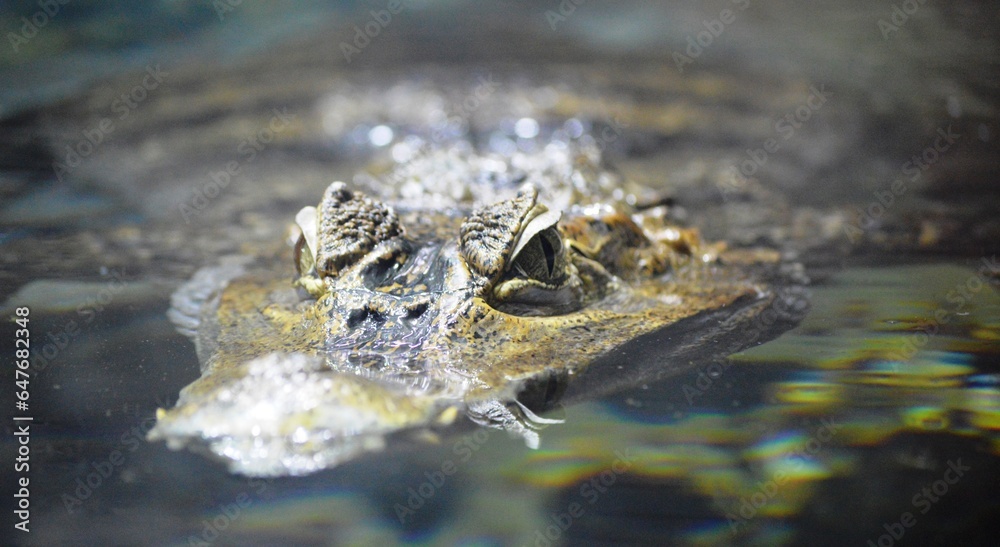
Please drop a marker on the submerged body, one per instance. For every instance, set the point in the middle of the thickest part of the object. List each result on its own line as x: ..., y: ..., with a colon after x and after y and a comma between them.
x: 526, y: 284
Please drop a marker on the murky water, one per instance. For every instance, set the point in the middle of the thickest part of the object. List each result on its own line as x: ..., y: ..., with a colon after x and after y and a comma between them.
x: 875, y: 421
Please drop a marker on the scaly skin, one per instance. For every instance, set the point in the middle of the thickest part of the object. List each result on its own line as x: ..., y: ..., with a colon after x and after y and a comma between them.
x: 405, y: 320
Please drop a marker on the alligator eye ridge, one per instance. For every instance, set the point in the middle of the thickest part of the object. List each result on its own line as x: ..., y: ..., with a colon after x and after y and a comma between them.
x: 350, y: 225
x: 489, y: 234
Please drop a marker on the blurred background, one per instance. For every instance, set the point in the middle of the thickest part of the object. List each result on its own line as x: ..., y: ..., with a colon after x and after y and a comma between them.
x: 858, y: 138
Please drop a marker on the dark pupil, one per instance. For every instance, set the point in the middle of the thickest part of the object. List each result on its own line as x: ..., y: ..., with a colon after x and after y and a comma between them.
x: 550, y: 252
x: 538, y: 259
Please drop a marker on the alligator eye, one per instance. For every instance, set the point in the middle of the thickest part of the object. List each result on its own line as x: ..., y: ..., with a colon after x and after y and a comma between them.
x: 540, y: 279
x: 540, y: 257
x: 516, y: 245
x: 340, y: 233
x: 488, y: 236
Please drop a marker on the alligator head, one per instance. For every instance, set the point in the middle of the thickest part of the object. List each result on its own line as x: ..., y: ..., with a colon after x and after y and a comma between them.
x: 405, y: 318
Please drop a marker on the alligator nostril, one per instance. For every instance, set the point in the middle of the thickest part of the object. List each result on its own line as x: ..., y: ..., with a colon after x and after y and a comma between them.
x: 416, y: 311
x: 367, y: 313
x: 356, y: 317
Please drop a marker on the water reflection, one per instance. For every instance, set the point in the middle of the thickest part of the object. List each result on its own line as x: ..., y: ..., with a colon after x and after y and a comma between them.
x: 817, y: 423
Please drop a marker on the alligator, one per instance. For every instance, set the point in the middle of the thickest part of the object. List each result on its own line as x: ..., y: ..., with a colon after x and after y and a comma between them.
x: 458, y: 285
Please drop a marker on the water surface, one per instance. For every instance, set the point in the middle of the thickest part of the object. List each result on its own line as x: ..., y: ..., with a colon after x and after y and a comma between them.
x: 875, y: 420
